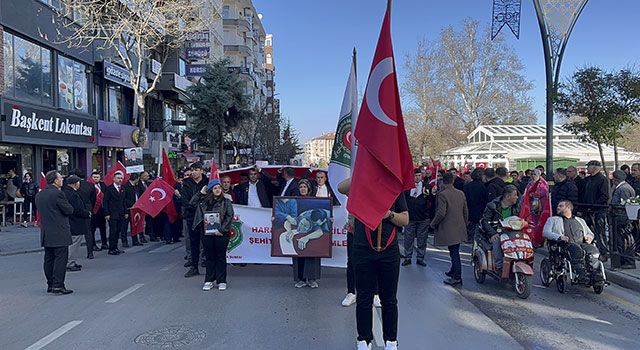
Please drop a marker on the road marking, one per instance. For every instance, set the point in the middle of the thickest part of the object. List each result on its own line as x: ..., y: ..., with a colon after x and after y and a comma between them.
x: 53, y: 336
x: 377, y: 328
x: 123, y: 294
x: 168, y: 267
x: 621, y: 301
x: 539, y: 286
x: 166, y: 248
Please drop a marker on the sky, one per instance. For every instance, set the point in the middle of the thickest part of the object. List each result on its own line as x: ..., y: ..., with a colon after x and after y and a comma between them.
x: 313, y: 41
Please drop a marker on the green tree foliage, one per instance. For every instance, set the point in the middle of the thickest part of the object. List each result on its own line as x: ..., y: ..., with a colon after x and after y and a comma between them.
x: 290, y: 145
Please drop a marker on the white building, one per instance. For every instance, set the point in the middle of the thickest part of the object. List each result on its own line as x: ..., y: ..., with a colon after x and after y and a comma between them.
x: 244, y: 42
x: 317, y: 151
x: 524, y: 146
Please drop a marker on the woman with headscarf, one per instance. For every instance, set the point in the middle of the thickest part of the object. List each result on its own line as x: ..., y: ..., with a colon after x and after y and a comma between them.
x: 536, y: 205
x: 214, y: 213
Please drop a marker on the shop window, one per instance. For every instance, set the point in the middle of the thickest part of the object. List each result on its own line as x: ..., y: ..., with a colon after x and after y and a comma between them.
x: 119, y: 104
x: 182, y: 67
x: 72, y: 85
x: 27, y: 70
x: 19, y: 157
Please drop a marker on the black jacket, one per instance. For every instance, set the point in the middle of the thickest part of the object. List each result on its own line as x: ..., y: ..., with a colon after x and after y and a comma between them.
x: 458, y: 183
x: 596, y: 190
x: 223, y: 206
x: 114, y: 203
x: 190, y: 189
x: 565, y: 190
x: 79, y: 220
x: 477, y: 199
x: 421, y: 207
x: 492, y: 213
x: 524, y: 182
x: 580, y: 183
x: 54, y: 217
x: 263, y: 194
x: 131, y: 195
x: 495, y: 188
x: 87, y: 192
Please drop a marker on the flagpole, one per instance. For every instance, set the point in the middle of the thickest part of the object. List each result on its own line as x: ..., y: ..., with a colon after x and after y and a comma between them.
x: 354, y: 111
x: 389, y: 5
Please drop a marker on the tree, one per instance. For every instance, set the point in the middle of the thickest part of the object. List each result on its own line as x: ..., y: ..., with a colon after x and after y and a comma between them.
x: 265, y: 141
x: 460, y: 82
x: 290, y: 145
x: 134, y: 30
x: 217, y: 104
x: 598, y: 106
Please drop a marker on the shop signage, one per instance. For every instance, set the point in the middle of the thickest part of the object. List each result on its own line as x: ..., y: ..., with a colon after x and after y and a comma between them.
x: 43, y: 124
x: 199, y: 36
x: 116, y: 74
x: 196, y: 70
x: 174, y: 139
x: 197, y: 53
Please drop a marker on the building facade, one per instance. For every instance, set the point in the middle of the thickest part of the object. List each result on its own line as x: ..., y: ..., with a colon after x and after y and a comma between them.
x: 317, y: 151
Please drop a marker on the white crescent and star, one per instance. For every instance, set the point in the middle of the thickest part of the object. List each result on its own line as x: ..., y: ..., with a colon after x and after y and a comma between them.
x: 159, y: 190
x: 136, y: 217
x: 381, y: 71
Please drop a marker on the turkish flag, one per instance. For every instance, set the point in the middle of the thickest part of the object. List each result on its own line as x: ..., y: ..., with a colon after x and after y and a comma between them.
x: 157, y: 196
x: 108, y: 178
x: 215, y: 174
x: 137, y: 221
x: 383, y: 168
x: 167, y: 172
x: 99, y: 195
x: 172, y: 213
x: 43, y: 184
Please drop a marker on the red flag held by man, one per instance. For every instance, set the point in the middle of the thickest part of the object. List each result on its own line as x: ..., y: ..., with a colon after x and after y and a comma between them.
x: 108, y: 178
x: 43, y: 184
x: 384, y: 167
x: 157, y: 196
x: 137, y: 221
x: 167, y: 171
x: 99, y: 195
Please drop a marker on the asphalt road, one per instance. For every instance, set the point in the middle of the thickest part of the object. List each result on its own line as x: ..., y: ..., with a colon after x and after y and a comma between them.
x: 141, y: 300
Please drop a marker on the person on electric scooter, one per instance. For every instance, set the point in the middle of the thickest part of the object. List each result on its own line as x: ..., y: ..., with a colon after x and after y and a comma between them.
x: 500, y: 208
x: 577, y: 236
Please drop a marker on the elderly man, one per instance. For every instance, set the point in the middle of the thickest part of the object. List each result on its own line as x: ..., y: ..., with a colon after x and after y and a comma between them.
x: 634, y: 178
x: 621, y: 193
x: 596, y: 199
x: 55, y: 232
x: 572, y: 175
x: 78, y: 221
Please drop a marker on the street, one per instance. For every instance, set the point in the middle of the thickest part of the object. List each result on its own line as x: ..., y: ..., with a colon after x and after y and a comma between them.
x: 141, y: 300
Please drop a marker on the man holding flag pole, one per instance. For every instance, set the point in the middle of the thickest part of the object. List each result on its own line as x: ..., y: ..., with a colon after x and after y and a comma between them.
x: 382, y: 171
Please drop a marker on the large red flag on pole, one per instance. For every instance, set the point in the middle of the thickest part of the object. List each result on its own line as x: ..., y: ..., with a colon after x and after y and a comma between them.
x: 383, y: 168
x: 157, y: 196
x: 167, y: 171
x: 108, y: 178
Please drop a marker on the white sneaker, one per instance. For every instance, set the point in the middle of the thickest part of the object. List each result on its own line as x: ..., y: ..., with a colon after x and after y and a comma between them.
x: 391, y: 345
x: 349, y: 300
x: 362, y: 345
x: 207, y: 286
x: 313, y: 284
x: 301, y: 284
x: 376, y: 301
x: 222, y: 286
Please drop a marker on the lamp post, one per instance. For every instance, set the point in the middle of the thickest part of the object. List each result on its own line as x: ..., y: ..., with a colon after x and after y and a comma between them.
x: 556, y: 19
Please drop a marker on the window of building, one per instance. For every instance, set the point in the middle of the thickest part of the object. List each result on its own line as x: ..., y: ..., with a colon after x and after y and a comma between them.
x: 119, y: 104
x: 226, y: 12
x: 72, y: 85
x: 27, y: 70
x: 268, y: 42
x: 269, y: 59
x: 182, y: 67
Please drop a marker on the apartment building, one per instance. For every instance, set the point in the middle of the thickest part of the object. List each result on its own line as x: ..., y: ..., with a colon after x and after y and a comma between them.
x: 317, y: 151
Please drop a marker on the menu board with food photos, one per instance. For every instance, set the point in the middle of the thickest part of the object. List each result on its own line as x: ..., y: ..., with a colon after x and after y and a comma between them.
x: 72, y: 85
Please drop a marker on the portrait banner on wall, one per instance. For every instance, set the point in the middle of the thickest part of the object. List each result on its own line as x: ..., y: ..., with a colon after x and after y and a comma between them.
x: 133, y: 160
x: 302, y: 227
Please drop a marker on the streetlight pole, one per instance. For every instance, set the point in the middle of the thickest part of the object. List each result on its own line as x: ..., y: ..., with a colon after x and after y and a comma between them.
x: 556, y: 19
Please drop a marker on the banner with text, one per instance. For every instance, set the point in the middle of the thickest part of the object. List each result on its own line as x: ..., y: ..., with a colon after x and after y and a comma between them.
x: 251, y: 239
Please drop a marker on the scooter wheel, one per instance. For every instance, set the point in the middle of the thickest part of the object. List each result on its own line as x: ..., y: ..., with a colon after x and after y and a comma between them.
x: 522, y: 285
x: 478, y: 274
x: 545, y: 272
x: 561, y: 284
x: 598, y: 288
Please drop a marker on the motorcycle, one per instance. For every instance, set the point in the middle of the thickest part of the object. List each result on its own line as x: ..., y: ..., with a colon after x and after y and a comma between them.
x: 558, y: 267
x: 517, y: 251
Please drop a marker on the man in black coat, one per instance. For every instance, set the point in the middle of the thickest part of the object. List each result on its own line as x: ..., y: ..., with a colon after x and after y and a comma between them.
x: 420, y: 202
x: 563, y: 190
x: 190, y: 188
x: 256, y: 192
x: 88, y: 194
x: 131, y: 195
x: 596, y: 200
x: 458, y: 182
x: 97, y: 219
x: 55, y: 233
x: 78, y: 221
x: 572, y: 174
x: 495, y: 183
x: 477, y: 199
x: 115, y: 213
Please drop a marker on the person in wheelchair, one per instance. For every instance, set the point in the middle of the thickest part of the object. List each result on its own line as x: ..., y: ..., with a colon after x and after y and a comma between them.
x: 500, y: 208
x: 575, y: 235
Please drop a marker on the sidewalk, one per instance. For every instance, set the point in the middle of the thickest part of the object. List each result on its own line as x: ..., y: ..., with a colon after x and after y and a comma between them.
x: 15, y: 239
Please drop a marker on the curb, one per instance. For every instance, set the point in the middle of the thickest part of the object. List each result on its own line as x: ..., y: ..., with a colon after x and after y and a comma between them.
x: 613, y: 276
x: 18, y: 252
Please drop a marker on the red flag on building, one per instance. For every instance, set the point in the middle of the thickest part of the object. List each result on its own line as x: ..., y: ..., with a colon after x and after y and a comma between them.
x: 215, y: 174
x: 108, y: 178
x: 43, y: 184
x: 384, y: 167
x: 157, y: 196
x: 167, y: 171
x: 137, y: 221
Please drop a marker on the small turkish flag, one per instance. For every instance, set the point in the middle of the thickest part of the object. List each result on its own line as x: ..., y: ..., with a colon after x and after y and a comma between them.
x: 108, y: 178
x: 167, y: 171
x: 215, y: 174
x: 157, y: 196
x: 383, y: 168
x: 137, y: 221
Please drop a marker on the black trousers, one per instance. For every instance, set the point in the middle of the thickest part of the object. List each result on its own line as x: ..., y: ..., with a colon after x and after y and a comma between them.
x: 98, y: 222
x: 598, y: 222
x: 176, y: 229
x: 383, y: 269
x: 194, y: 240
x: 115, y: 229
x: 29, y: 203
x: 456, y: 265
x: 55, y: 265
x: 215, y: 248
x: 90, y: 240
x: 351, y: 270
x: 124, y: 230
